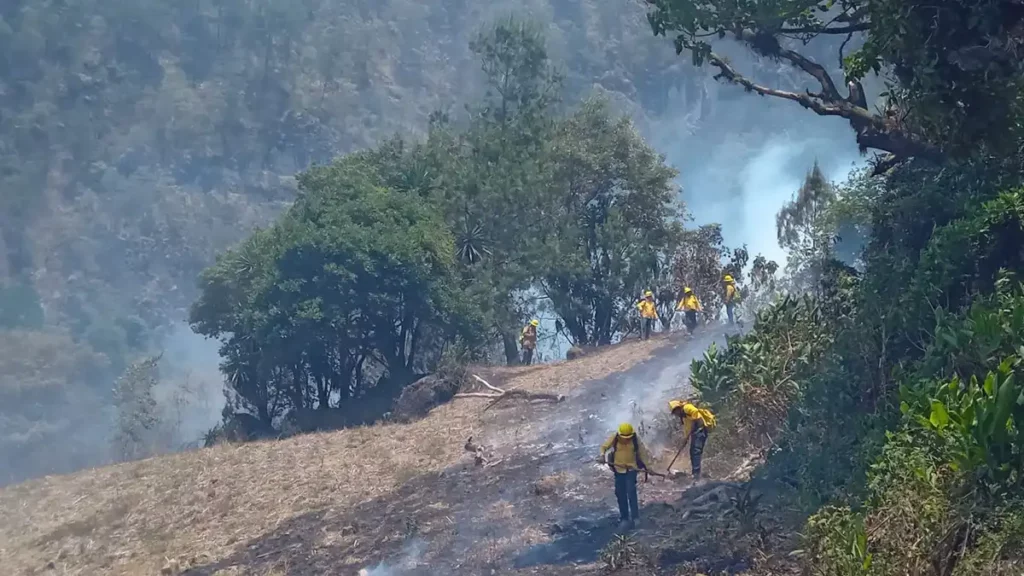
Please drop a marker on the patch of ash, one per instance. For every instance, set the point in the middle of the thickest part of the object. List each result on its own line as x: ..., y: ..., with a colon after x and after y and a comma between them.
x: 542, y: 500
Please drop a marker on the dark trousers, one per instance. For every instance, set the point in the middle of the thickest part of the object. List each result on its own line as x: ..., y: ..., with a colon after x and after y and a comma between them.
x: 527, y: 356
x: 690, y: 319
x: 625, y: 493
x: 646, y: 327
x: 697, y: 442
x: 730, y: 310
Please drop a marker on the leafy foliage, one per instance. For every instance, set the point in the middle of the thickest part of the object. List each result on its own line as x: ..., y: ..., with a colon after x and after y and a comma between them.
x: 618, y: 224
x: 978, y: 410
x: 137, y: 417
x: 803, y: 232
x: 346, y: 286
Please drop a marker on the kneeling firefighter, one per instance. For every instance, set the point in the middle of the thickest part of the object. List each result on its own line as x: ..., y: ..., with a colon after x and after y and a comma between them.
x: 626, y: 458
x: 697, y: 424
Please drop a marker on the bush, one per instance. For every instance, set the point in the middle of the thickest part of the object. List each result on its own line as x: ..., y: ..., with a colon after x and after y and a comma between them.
x: 138, y: 419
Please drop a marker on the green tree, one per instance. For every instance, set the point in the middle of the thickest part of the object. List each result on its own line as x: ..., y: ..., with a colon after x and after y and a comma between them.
x: 336, y: 298
x: 804, y: 233
x: 617, y: 223
x: 503, y: 200
x: 138, y: 419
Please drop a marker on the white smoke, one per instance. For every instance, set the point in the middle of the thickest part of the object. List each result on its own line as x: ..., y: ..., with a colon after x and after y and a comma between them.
x: 406, y: 562
x: 191, y: 389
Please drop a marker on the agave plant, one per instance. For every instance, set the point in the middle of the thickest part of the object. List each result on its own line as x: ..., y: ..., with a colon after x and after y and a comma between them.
x: 472, y: 244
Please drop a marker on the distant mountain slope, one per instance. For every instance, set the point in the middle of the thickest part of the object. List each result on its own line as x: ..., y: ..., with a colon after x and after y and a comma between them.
x: 139, y: 138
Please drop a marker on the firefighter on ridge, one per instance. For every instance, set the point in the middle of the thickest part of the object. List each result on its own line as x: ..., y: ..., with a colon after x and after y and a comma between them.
x: 626, y: 456
x: 648, y: 314
x: 528, y: 340
x: 731, y: 297
x: 697, y: 424
x: 689, y: 306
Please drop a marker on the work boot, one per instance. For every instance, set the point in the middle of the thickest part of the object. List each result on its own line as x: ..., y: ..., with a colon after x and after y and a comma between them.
x: 625, y: 525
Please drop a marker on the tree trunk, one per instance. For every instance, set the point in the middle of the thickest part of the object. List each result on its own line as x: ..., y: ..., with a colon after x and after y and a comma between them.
x: 511, y: 348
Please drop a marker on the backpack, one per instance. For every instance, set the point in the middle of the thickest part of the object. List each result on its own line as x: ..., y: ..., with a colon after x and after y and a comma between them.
x: 708, y: 418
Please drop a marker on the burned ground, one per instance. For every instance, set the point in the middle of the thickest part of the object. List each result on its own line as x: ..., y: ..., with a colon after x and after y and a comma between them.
x: 405, y: 498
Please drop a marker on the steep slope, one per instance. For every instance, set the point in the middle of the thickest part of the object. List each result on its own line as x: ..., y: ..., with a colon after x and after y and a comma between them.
x: 334, y: 503
x: 139, y: 139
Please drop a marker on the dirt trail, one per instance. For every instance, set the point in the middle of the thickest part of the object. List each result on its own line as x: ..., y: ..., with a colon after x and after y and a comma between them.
x: 540, y: 506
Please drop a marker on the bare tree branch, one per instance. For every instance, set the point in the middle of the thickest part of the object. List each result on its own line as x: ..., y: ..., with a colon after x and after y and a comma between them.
x: 497, y: 394
x: 872, y: 130
x: 815, y: 30
x: 815, y: 70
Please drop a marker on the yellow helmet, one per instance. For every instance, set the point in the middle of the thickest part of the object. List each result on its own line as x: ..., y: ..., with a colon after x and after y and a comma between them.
x: 625, y: 430
x: 687, y: 290
x: 534, y: 322
x: 728, y: 278
x: 674, y: 405
x: 648, y: 294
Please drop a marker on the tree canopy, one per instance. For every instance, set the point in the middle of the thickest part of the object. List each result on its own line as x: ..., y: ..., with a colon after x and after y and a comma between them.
x: 339, y: 294
x: 391, y: 255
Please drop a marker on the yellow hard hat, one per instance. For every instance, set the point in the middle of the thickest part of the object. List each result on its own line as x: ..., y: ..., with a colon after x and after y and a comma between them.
x: 688, y: 290
x: 690, y: 410
x: 674, y: 405
x: 728, y: 278
x: 625, y: 430
x: 648, y: 294
x: 534, y: 322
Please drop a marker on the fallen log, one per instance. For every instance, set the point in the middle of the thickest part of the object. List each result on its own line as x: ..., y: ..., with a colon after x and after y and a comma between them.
x: 497, y: 394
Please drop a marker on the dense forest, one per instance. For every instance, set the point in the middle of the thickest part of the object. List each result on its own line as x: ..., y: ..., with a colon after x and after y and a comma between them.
x: 888, y: 396
x: 138, y: 140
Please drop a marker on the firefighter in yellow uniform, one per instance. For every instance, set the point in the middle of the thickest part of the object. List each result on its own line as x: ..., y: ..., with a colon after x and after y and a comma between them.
x: 689, y: 306
x: 528, y: 340
x: 731, y: 297
x: 626, y: 458
x: 697, y: 424
x: 648, y: 314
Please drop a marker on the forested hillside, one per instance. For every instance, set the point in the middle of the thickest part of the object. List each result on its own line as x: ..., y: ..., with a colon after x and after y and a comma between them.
x: 888, y: 396
x: 138, y: 139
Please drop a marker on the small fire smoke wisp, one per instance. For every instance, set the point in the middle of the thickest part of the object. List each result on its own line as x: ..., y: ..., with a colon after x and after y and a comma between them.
x: 406, y: 562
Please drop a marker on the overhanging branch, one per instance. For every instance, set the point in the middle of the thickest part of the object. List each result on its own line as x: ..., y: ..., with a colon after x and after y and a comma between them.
x: 872, y: 131
x: 815, y: 30
x: 807, y: 100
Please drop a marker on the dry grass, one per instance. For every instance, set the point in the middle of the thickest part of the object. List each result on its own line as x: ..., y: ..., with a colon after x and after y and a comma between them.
x: 198, y: 507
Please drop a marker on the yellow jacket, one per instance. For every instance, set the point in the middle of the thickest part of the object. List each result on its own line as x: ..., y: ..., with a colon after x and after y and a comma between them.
x: 625, y: 458
x: 648, y: 309
x: 689, y: 303
x: 730, y: 292
x: 529, y: 336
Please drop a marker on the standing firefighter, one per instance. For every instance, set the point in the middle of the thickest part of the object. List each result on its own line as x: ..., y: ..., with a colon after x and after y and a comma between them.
x: 697, y: 423
x: 648, y: 314
x: 626, y: 458
x: 528, y: 340
x: 689, y: 306
x: 731, y: 297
